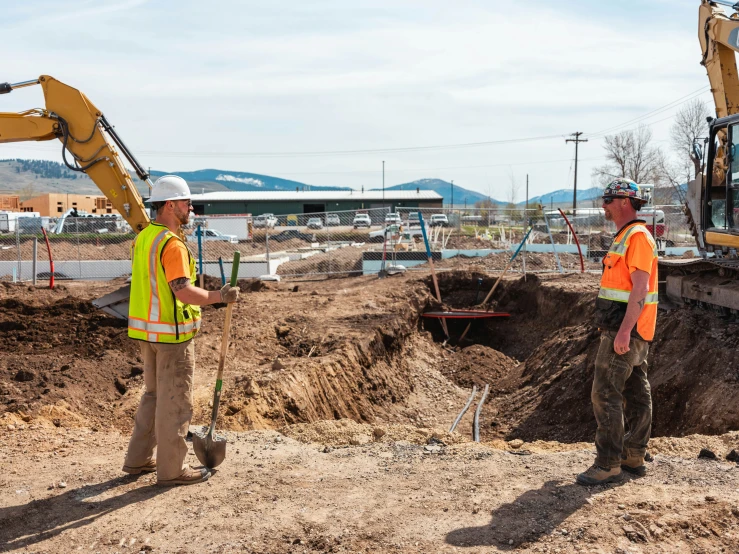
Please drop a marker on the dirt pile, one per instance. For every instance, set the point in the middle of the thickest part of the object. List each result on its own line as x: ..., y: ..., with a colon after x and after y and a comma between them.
x: 308, y: 352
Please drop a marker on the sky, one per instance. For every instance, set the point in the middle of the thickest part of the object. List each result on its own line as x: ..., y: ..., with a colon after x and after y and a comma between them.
x: 481, y: 92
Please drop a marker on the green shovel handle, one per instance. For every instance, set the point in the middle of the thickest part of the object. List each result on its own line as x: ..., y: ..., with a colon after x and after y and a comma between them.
x: 235, y: 268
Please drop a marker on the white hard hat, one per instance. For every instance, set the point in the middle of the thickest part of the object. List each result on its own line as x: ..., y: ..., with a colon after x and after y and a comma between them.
x: 169, y: 187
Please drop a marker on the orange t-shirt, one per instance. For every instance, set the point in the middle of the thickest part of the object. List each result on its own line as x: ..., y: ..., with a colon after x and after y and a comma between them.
x: 639, y: 254
x: 176, y: 260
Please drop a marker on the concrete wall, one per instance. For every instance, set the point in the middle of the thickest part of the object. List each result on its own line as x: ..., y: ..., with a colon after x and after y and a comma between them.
x: 106, y: 270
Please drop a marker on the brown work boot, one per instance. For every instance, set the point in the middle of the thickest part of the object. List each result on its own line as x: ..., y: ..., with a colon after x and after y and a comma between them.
x: 634, y: 465
x: 148, y: 467
x: 189, y: 477
x: 596, y: 475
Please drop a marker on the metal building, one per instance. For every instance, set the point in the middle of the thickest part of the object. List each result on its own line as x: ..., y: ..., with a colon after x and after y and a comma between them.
x: 306, y: 202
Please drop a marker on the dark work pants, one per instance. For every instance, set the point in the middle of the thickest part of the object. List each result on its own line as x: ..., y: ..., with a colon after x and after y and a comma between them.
x: 621, y: 391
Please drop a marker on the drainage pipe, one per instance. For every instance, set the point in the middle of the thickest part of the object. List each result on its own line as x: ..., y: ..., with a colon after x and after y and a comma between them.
x: 476, y: 421
x: 464, y: 410
x: 577, y: 242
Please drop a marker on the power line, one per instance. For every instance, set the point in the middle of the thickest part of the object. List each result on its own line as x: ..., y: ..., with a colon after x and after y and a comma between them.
x: 404, y: 170
x: 655, y: 111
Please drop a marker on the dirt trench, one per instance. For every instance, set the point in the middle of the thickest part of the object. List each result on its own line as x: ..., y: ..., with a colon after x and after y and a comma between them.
x: 539, y: 362
x: 359, y: 349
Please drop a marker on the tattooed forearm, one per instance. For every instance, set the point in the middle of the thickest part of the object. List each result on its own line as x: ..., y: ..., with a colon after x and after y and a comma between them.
x: 179, y: 284
x: 641, y: 305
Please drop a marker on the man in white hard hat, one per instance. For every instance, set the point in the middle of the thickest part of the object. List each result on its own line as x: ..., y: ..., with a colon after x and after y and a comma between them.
x: 164, y: 315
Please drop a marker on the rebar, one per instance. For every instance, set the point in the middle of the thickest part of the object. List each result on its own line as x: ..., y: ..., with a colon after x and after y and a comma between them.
x: 464, y: 410
x: 476, y: 421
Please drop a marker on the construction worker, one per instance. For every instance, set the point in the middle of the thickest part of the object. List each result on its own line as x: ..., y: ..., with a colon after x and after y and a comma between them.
x: 164, y: 315
x: 626, y: 314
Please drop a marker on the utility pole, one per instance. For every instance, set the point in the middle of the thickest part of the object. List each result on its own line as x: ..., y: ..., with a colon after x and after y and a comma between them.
x: 577, y: 140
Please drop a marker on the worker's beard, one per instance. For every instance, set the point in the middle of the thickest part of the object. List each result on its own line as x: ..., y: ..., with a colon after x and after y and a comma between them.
x: 609, y: 215
x: 182, y: 217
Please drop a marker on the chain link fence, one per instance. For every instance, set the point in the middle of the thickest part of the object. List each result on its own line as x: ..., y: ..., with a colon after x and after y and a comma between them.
x: 340, y: 243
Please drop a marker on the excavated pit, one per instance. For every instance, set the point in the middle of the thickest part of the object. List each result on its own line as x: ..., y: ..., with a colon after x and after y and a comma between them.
x: 359, y: 349
x: 539, y: 362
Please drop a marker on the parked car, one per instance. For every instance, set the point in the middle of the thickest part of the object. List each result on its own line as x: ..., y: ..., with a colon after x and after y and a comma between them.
x: 392, y: 219
x: 362, y: 220
x: 265, y: 221
x: 379, y: 235
x: 315, y: 223
x: 439, y: 220
x: 414, y: 219
x: 332, y: 219
x: 212, y: 234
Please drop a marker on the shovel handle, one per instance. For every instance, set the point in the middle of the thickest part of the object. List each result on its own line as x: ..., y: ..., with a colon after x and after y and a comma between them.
x: 224, y: 346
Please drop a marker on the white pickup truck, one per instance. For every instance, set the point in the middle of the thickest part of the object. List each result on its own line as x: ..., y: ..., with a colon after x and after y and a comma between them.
x: 265, y: 221
x: 212, y: 234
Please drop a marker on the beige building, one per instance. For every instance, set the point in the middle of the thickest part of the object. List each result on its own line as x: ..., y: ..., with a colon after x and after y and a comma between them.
x: 10, y: 203
x: 55, y: 204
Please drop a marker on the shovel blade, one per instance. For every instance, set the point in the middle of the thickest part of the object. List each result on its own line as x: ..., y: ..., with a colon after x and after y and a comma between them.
x: 210, y: 449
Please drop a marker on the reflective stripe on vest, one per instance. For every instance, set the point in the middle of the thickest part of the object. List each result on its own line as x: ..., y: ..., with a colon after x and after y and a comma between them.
x: 154, y: 298
x: 619, y: 248
x: 162, y: 328
x: 623, y: 295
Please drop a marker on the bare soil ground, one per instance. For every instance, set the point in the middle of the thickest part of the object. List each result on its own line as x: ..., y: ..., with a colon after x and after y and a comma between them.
x: 337, y: 402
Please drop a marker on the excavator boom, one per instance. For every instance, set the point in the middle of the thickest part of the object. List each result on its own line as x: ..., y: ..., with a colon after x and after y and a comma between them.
x: 87, y: 136
x: 712, y: 200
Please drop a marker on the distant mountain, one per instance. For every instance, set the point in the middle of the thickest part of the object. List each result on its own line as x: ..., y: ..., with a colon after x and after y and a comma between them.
x: 238, y: 180
x: 564, y: 196
x: 444, y: 188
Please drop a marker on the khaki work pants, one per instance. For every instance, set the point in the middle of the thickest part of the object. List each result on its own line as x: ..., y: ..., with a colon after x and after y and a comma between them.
x: 621, y: 391
x: 165, y: 410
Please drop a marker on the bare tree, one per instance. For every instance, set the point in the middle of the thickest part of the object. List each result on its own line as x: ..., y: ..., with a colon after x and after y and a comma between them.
x: 630, y: 154
x: 690, y: 124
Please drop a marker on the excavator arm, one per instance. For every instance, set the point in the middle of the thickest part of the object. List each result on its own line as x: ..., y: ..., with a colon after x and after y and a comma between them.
x: 87, y: 136
x: 719, y: 39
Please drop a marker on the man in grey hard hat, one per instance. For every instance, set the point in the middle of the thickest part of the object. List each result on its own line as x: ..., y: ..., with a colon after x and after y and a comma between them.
x: 164, y: 315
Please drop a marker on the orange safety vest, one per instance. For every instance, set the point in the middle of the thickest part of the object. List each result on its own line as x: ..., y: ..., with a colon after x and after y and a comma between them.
x: 615, y: 284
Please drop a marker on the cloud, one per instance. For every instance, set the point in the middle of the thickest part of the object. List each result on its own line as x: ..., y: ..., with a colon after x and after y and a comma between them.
x: 329, y: 75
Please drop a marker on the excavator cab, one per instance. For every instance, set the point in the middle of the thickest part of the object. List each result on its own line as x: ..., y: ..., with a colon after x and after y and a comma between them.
x: 720, y: 198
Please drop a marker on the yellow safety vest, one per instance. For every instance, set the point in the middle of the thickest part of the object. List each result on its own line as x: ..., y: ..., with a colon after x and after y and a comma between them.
x: 154, y: 313
x: 615, y: 285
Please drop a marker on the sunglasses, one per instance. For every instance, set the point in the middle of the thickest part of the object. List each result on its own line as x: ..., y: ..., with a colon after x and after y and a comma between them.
x: 189, y: 202
x: 609, y: 199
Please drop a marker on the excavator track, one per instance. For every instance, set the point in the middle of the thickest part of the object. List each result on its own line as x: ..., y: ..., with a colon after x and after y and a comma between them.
x: 708, y: 283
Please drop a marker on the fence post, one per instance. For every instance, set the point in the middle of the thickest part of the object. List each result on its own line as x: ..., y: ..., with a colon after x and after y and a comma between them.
x: 328, y: 243
x: 35, y: 259
x: 16, y: 271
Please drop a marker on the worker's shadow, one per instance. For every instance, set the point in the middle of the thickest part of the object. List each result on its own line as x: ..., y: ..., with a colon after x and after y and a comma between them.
x: 528, y: 517
x: 40, y: 520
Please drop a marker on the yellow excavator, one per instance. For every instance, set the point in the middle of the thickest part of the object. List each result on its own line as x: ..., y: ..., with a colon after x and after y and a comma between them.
x: 92, y: 145
x: 712, y: 199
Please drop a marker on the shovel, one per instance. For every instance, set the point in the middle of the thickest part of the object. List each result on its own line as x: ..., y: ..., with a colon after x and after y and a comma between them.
x: 211, y: 448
